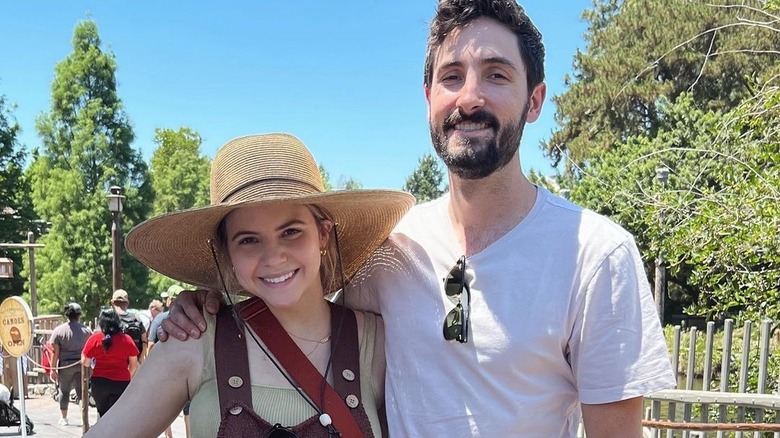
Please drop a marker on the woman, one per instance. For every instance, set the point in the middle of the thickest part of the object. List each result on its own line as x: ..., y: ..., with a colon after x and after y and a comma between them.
x: 273, y: 234
x: 115, y: 356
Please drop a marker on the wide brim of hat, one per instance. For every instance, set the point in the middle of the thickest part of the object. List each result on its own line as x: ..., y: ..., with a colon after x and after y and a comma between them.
x: 177, y: 244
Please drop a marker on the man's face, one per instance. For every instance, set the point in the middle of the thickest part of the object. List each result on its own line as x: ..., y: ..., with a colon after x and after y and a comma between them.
x: 478, y: 100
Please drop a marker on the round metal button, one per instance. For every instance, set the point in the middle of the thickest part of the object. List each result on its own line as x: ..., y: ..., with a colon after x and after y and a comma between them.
x: 348, y: 375
x: 352, y: 401
x: 235, y: 382
x: 235, y: 410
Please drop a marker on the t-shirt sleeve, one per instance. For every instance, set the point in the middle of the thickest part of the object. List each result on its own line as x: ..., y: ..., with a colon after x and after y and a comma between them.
x: 89, y: 346
x: 155, y: 325
x: 618, y: 350
x: 55, y: 338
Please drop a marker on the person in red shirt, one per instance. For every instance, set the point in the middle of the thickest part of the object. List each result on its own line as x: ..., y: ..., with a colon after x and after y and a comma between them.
x: 115, y: 360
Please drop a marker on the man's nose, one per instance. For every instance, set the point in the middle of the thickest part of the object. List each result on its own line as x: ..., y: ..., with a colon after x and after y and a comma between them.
x: 471, y: 95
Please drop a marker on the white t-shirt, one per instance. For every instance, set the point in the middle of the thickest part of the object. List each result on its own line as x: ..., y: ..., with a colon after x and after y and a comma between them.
x: 561, y: 313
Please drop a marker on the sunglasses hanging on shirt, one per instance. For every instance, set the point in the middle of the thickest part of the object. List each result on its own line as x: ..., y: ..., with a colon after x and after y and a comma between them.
x: 456, y: 323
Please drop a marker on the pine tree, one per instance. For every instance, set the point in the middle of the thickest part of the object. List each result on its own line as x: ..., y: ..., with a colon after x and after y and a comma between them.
x: 425, y: 182
x: 85, y: 149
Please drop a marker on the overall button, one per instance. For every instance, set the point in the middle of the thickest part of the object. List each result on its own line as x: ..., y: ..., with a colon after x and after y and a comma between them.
x: 235, y: 382
x: 348, y: 375
x: 352, y: 401
x: 235, y: 410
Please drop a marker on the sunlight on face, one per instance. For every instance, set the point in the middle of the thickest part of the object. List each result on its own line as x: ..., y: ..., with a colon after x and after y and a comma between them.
x: 275, y: 252
x: 478, y: 100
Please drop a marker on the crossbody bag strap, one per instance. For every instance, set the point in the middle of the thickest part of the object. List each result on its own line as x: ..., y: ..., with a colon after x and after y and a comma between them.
x: 298, y: 366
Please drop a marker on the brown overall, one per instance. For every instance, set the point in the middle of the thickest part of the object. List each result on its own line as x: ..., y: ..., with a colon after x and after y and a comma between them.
x: 238, y: 418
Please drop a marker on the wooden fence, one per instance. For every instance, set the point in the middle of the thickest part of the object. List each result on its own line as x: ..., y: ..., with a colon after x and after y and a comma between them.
x: 707, y: 404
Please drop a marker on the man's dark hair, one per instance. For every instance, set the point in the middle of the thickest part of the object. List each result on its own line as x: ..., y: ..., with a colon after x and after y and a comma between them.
x: 454, y: 14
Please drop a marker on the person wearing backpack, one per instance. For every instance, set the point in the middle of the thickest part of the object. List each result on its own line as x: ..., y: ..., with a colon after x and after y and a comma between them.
x: 131, y: 325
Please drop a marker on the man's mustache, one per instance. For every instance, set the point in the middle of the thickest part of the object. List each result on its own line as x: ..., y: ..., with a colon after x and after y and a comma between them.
x: 481, y: 116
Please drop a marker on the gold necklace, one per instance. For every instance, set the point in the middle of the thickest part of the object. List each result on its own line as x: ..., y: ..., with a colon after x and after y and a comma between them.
x: 321, y: 341
x: 316, y: 343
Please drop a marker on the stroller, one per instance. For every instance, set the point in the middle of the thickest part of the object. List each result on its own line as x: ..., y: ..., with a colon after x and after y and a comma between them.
x: 9, y: 415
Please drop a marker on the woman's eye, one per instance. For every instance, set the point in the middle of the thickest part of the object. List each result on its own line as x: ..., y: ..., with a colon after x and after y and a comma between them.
x: 290, y: 232
x: 247, y: 240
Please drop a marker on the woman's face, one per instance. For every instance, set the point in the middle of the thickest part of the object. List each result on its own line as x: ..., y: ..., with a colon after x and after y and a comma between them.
x: 275, y: 252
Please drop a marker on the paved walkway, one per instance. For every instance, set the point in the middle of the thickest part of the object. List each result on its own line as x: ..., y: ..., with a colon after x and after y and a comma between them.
x: 45, y: 413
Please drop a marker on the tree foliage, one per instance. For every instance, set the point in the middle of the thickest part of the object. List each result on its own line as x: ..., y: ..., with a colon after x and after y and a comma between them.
x: 640, y: 51
x: 86, y: 148
x: 717, y: 221
x: 425, y: 183
x: 179, y: 175
x: 16, y: 213
x: 325, y: 179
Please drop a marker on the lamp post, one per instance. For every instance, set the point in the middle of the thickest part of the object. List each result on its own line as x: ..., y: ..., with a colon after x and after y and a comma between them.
x: 115, y: 198
x: 662, y: 175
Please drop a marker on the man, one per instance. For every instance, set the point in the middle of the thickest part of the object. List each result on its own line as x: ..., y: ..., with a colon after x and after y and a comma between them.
x: 507, y: 311
x: 131, y: 324
x: 68, y: 340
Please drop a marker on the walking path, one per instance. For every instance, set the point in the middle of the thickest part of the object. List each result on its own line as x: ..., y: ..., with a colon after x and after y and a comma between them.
x: 45, y: 413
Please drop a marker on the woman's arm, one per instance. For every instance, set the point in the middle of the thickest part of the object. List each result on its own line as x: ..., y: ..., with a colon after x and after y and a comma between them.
x: 176, y: 367
x: 132, y: 365
x: 55, y: 358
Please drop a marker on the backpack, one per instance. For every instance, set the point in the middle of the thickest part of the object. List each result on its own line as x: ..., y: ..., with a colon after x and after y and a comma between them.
x: 133, y: 328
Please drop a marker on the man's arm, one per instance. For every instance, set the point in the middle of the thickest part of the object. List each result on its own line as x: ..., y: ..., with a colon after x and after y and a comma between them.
x: 185, y: 317
x: 622, y: 418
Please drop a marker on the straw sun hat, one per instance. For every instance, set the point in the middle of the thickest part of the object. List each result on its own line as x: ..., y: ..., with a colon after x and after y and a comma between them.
x: 255, y: 170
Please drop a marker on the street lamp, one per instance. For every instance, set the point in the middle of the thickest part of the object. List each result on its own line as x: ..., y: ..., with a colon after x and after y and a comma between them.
x: 115, y: 198
x: 662, y: 175
x: 6, y: 267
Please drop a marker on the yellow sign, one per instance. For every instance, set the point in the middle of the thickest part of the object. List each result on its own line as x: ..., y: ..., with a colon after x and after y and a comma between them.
x: 15, y: 326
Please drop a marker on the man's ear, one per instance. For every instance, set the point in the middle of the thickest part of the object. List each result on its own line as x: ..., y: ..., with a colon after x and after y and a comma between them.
x: 536, y: 101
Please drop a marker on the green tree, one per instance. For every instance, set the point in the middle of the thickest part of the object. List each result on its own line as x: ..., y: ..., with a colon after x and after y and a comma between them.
x: 348, y: 184
x: 16, y: 212
x: 179, y: 172
x: 639, y: 51
x: 325, y: 179
x: 426, y: 181
x: 86, y: 148
x: 180, y: 178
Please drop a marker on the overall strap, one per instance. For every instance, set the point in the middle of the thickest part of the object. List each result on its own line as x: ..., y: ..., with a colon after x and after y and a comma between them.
x: 346, y: 354
x: 231, y: 361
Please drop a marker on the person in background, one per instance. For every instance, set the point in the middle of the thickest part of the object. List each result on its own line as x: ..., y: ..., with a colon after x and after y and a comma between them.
x: 131, y: 324
x: 509, y: 311
x: 116, y: 360
x: 67, y: 341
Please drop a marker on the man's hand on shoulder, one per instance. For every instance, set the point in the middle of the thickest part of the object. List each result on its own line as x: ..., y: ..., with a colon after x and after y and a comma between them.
x: 185, y: 317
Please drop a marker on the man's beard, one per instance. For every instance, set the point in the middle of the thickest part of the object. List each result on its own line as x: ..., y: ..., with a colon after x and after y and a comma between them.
x: 478, y: 158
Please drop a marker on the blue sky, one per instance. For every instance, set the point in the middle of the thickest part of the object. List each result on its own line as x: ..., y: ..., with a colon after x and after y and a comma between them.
x: 344, y: 76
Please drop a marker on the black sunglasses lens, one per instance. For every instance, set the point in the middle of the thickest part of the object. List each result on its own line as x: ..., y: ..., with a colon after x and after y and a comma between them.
x: 279, y: 431
x: 453, y: 284
x: 453, y: 323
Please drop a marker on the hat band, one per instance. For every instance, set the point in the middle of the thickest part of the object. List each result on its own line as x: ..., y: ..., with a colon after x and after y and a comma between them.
x: 248, y: 184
